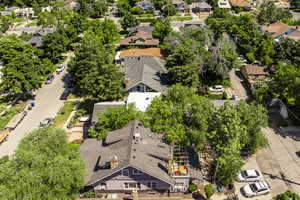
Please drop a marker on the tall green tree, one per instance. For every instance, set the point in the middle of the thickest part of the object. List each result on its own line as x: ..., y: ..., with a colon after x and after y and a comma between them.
x: 113, y: 119
x: 128, y: 21
x: 22, y: 70
x: 44, y: 166
x: 162, y: 28
x: 95, y: 73
x: 53, y: 45
x: 182, y: 115
x: 269, y: 13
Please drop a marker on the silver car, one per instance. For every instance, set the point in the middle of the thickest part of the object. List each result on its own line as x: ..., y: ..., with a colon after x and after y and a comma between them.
x: 249, y: 175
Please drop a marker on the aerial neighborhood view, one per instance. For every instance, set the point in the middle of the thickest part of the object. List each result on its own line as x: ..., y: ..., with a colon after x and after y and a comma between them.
x: 150, y: 99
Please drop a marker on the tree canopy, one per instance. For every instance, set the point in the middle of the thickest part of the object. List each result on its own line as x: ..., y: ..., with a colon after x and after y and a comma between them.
x: 23, y: 70
x: 93, y: 68
x: 44, y: 166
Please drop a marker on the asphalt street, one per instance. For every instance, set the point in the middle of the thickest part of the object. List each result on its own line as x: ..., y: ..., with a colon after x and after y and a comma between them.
x: 47, y: 105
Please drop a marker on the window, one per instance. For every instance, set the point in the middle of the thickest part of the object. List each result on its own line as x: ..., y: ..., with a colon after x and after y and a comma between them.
x: 132, y: 185
x: 103, y: 186
x: 136, y: 172
x: 153, y: 185
x: 138, y: 88
x: 149, y: 184
x: 125, y: 172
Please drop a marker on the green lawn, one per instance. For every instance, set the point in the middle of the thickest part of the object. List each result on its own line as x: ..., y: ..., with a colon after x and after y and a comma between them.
x: 63, y: 114
x: 10, y: 113
x: 184, y: 18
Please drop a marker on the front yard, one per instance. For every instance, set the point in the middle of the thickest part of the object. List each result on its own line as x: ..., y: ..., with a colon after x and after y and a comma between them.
x: 64, y: 114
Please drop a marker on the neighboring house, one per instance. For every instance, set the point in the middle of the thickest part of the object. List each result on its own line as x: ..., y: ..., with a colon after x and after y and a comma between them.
x: 201, y: 6
x: 136, y: 29
x: 155, y: 52
x: 37, y: 37
x: 181, y: 6
x: 135, y: 159
x: 254, y: 74
x: 145, y: 5
x: 18, y: 30
x: 20, y: 12
x: 70, y: 4
x: 280, y: 30
x: 140, y: 39
x: 6, y: 13
x: 141, y: 100
x: 224, y: 4
x: 145, y: 74
x: 194, y: 24
x: 240, y: 4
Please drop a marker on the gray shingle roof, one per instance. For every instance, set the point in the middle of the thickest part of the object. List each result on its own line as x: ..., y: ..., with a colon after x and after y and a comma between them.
x: 147, y: 154
x: 148, y: 70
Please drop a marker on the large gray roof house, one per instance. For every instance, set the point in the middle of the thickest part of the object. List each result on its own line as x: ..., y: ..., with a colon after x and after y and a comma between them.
x: 145, y: 74
x: 134, y: 158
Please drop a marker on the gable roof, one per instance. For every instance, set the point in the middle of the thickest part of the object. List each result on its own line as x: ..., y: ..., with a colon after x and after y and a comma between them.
x: 240, y: 3
x: 279, y: 28
x: 201, y: 4
x: 147, y: 154
x: 147, y: 70
x: 155, y: 52
x: 146, y: 29
x: 255, y: 70
x: 140, y: 38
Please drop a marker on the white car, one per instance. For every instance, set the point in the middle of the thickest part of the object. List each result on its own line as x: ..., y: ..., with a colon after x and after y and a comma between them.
x: 256, y: 189
x: 216, y: 88
x: 60, y: 69
x: 249, y: 175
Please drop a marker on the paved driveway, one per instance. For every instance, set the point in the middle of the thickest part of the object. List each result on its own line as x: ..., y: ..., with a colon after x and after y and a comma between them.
x: 250, y: 164
x: 47, y: 105
x: 280, y: 163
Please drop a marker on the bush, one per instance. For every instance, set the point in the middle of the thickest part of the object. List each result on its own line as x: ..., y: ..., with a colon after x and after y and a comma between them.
x: 288, y: 195
x: 209, y: 190
x: 192, y: 188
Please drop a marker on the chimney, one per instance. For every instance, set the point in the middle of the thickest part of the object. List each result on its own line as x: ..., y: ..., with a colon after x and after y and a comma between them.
x: 113, y: 162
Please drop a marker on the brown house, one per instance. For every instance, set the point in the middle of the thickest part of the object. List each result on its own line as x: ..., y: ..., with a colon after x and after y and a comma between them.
x: 155, y: 52
x: 140, y: 39
x: 240, y: 4
x: 254, y: 74
x: 280, y: 30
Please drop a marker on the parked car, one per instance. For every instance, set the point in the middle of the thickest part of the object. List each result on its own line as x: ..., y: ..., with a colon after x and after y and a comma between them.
x: 256, y: 189
x: 60, y: 68
x: 46, y: 122
x: 64, y: 95
x: 216, y: 88
x: 49, y: 79
x: 249, y: 175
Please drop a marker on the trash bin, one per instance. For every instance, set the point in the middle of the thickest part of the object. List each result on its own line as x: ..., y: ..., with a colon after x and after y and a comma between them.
x: 32, y: 103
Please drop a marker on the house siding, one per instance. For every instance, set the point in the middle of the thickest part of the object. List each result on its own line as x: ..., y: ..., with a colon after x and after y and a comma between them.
x: 116, y: 182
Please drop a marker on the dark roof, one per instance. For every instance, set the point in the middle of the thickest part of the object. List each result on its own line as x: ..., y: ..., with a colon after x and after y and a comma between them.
x: 44, y: 31
x: 145, y: 5
x: 146, y: 154
x: 146, y: 29
x: 148, y: 70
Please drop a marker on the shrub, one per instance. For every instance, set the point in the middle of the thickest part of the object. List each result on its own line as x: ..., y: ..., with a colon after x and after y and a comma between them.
x: 288, y: 195
x: 192, y: 188
x: 209, y: 190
